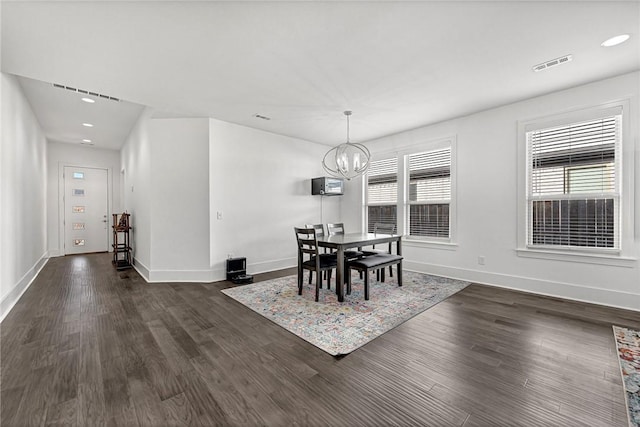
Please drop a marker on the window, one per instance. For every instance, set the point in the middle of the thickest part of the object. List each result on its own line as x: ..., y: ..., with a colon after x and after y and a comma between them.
x: 382, y: 193
x: 429, y: 193
x: 415, y: 190
x: 78, y: 175
x: 78, y: 209
x: 573, y: 184
x: 78, y: 192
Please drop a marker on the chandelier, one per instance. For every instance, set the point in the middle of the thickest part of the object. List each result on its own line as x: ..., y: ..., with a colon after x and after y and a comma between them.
x: 347, y: 160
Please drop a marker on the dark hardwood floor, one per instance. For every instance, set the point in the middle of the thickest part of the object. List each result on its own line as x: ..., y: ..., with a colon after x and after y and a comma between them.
x: 89, y: 346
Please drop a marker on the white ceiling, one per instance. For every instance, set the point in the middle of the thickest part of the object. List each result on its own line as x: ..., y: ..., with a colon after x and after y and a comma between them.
x: 397, y: 65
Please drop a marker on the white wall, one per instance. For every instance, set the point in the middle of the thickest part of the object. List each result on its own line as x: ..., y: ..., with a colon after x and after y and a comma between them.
x: 179, y: 199
x: 184, y: 171
x: 487, y: 202
x: 60, y: 155
x: 23, y: 174
x: 261, y: 183
x: 137, y: 186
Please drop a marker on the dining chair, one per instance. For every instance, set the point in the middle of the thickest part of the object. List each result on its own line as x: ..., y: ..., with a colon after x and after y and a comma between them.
x: 320, y: 233
x: 308, y: 244
x: 338, y: 228
x: 382, y: 228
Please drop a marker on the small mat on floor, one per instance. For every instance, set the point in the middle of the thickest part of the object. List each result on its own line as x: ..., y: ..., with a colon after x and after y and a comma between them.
x: 340, y: 328
x: 628, y: 344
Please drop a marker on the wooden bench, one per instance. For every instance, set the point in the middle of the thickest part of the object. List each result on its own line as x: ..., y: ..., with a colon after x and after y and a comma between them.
x: 371, y: 263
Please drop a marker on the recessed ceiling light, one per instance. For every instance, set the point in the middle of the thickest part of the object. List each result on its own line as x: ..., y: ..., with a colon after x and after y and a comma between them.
x: 89, y: 125
x: 89, y: 100
x: 86, y: 140
x: 615, y: 40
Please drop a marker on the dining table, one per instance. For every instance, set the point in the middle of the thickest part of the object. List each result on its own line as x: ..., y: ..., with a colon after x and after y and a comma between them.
x: 341, y: 242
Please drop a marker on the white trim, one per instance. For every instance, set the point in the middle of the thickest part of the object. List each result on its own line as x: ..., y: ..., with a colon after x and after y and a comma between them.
x: 208, y: 276
x: 142, y: 269
x: 598, y: 296
x: 10, y: 298
x: 574, y: 256
x: 447, y: 141
x: 54, y: 253
x: 168, y: 276
x: 272, y: 265
x: 627, y: 108
x: 409, y: 241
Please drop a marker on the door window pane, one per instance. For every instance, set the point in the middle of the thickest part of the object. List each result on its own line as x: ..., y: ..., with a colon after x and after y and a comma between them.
x: 78, y: 209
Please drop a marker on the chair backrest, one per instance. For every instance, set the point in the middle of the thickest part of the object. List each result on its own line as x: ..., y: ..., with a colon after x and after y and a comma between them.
x: 318, y: 227
x: 336, y: 228
x: 383, y: 228
x: 307, y: 241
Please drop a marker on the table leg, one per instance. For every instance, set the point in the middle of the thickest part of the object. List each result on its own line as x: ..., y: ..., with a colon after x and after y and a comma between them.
x: 399, y: 246
x: 340, y: 275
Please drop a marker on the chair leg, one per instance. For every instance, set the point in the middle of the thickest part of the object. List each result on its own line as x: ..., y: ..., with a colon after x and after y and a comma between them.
x: 328, y: 279
x: 390, y: 271
x: 300, y: 271
x: 310, y: 276
x: 382, y: 274
x: 318, y: 284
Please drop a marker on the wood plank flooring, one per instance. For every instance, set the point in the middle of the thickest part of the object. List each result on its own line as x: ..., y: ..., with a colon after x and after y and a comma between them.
x: 89, y: 346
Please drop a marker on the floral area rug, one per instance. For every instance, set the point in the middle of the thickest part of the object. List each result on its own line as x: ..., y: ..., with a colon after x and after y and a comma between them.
x: 340, y: 328
x: 628, y: 344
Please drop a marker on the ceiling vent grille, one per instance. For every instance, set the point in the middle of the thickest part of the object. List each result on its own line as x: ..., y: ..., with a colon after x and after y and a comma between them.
x: 552, y: 63
x: 86, y: 92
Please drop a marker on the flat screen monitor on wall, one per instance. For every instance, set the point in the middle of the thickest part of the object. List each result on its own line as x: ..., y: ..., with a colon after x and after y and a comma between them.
x: 327, y: 186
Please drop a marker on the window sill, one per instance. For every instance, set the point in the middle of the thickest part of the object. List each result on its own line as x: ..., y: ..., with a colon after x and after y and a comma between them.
x: 415, y: 243
x: 586, y: 258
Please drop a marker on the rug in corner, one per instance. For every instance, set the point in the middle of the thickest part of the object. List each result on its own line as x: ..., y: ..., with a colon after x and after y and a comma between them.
x: 628, y: 345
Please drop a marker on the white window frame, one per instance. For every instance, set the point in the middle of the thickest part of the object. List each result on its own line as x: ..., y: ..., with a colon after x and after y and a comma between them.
x: 366, y: 203
x: 428, y: 147
x: 625, y: 175
x: 403, y: 193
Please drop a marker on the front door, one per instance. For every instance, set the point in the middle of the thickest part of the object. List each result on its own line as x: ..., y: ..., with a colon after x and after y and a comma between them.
x: 85, y: 210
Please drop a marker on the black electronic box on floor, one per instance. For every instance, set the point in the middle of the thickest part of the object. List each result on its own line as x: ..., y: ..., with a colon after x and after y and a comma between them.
x: 237, y: 271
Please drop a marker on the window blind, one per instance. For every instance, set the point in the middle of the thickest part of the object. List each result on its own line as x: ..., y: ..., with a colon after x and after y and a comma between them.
x: 573, y: 191
x: 382, y: 192
x: 429, y: 193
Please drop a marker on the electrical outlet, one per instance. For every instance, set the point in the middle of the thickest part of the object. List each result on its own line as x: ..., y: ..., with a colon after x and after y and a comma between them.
x: 481, y: 260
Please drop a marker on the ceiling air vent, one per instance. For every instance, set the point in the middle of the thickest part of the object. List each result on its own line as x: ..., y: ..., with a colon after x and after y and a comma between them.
x: 552, y: 63
x: 73, y: 89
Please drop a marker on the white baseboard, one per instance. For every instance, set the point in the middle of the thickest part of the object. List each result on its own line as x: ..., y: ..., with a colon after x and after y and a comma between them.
x: 617, y: 299
x: 208, y: 276
x: 53, y: 253
x: 266, y: 266
x: 142, y: 269
x: 160, y: 276
x: 11, y: 298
